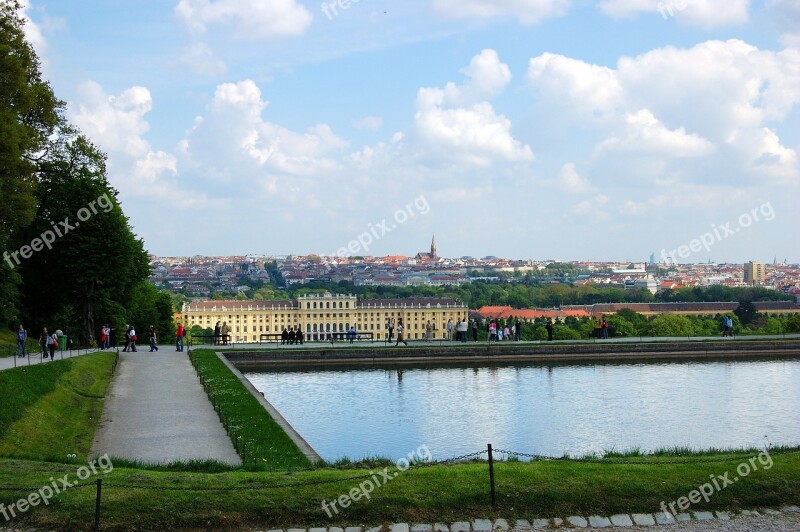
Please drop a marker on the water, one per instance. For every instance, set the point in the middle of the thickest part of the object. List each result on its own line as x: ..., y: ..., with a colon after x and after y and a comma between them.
x: 538, y: 408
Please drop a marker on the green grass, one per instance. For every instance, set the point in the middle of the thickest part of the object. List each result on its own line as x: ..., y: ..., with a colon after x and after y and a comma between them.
x: 438, y: 493
x: 52, y: 410
x: 258, y: 439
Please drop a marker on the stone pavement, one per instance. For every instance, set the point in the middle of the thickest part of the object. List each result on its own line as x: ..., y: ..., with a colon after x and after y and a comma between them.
x: 156, y: 411
x: 768, y: 520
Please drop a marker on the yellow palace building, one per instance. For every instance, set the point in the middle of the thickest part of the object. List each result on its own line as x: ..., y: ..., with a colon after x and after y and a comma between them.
x: 318, y: 315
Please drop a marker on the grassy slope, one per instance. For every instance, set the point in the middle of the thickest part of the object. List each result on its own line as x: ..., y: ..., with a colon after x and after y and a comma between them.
x: 440, y: 493
x: 51, y: 410
x: 263, y: 443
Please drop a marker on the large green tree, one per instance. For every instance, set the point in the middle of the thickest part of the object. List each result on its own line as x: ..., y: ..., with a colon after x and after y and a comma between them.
x: 29, y: 114
x: 94, y: 259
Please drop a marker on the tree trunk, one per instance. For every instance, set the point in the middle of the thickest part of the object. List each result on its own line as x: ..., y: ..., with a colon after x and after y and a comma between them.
x: 88, y: 314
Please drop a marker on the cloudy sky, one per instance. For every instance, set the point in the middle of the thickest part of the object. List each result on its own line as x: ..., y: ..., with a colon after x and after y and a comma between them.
x: 562, y: 129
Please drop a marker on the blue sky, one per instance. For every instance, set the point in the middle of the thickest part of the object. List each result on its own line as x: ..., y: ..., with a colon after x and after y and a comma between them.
x: 544, y: 129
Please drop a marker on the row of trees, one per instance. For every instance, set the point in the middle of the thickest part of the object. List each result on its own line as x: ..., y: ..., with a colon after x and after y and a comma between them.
x: 627, y: 323
x: 70, y: 257
x: 481, y: 293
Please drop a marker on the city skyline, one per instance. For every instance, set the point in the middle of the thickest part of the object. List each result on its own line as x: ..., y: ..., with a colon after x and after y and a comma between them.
x: 236, y: 126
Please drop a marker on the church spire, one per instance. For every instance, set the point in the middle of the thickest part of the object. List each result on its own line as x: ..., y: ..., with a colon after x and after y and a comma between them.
x: 433, y: 246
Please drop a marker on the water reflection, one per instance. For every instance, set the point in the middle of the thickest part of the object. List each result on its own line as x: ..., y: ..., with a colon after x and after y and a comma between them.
x: 534, y: 407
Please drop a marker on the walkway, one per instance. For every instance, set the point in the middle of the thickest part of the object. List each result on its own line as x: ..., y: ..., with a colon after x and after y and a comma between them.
x: 33, y: 359
x: 156, y: 411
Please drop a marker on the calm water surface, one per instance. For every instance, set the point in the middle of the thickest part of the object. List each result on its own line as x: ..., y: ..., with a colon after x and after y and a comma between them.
x: 536, y: 408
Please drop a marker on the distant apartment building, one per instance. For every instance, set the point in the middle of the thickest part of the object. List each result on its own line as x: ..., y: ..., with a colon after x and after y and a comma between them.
x: 754, y: 273
x: 319, y: 315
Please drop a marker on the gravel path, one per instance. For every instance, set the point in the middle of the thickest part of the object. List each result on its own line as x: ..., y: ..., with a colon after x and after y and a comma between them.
x: 156, y: 411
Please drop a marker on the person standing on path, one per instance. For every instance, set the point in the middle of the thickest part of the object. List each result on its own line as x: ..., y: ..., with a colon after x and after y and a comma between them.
x: 22, y: 336
x: 549, y: 327
x: 217, y: 332
x: 604, y: 328
x: 179, y: 335
x: 225, y: 330
x: 475, y: 330
x: 450, y: 329
x: 518, y: 331
x: 153, y: 339
x: 400, y: 334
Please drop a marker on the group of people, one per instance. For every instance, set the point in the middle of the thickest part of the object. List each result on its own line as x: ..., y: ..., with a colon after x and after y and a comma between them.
x: 461, y: 328
x: 222, y: 333
x: 727, y: 326
x: 48, y: 341
x: 498, y: 334
x: 601, y: 328
x: 294, y: 335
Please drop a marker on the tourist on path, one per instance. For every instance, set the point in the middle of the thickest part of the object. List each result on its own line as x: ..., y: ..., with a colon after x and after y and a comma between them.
x: 474, y: 330
x: 450, y: 329
x: 390, y: 326
x: 22, y: 335
x: 462, y: 331
x: 549, y: 327
x: 43, y: 338
x: 153, y: 339
x: 518, y: 331
x: 132, y: 336
x: 428, y: 331
x: 400, y: 334
x: 217, y: 332
x: 52, y: 343
x: 180, y: 333
x: 604, y: 328
x: 225, y: 332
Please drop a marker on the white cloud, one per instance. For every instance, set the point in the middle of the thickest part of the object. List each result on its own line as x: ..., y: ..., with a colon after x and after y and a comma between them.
x: 247, y: 19
x: 704, y: 13
x: 645, y: 134
x: 571, y: 181
x: 786, y: 14
x: 526, y: 11
x: 592, y: 91
x: 456, y: 122
x: 233, y: 143
x: 200, y: 59
x: 671, y: 104
x: 33, y: 33
x: 372, y: 123
x: 118, y: 126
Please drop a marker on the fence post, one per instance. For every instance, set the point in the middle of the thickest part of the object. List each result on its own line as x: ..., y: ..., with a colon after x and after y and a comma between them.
x: 97, y: 505
x: 491, y: 476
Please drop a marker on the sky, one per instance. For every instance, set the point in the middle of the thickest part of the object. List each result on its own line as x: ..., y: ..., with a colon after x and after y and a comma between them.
x: 526, y: 129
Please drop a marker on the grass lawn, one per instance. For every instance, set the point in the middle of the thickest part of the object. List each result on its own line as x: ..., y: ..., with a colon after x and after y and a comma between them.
x: 438, y: 493
x: 260, y: 442
x: 51, y: 410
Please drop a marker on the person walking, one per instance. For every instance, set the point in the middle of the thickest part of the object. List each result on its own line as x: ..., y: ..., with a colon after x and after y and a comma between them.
x: 450, y: 329
x: 132, y: 336
x: 22, y: 336
x: 549, y: 327
x: 507, y: 333
x: 153, y: 339
x: 127, y: 338
x: 604, y: 328
x: 518, y: 331
x: 43, y: 342
x: 180, y: 333
x: 474, y: 330
x: 217, y: 332
x: 400, y: 334
x: 492, y: 331
x: 52, y: 343
x: 462, y: 331
x: 390, y: 327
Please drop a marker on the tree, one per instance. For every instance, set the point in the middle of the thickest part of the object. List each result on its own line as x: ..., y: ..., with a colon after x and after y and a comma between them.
x: 671, y: 325
x: 29, y: 114
x: 94, y: 260
x: 746, y: 312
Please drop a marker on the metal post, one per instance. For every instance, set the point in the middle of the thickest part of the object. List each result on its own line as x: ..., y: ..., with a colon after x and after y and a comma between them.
x: 97, y: 505
x: 491, y: 476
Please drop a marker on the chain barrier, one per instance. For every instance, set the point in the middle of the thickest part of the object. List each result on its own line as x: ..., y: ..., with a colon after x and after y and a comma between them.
x: 623, y: 461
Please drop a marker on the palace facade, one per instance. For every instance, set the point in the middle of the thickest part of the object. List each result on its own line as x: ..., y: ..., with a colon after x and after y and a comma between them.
x: 318, y: 315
